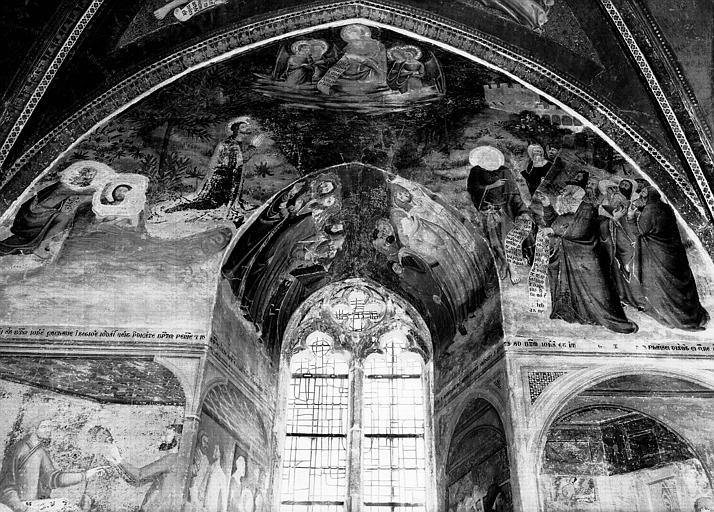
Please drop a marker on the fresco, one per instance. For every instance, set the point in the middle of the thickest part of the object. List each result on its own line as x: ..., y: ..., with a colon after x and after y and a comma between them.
x: 613, y: 459
x: 362, y: 76
x: 354, y: 220
x: 580, y: 239
x: 155, y: 15
x: 63, y: 453
x: 224, y: 476
x: 530, y: 13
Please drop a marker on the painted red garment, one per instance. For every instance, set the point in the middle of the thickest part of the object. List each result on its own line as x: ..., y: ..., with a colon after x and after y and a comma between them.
x: 582, y: 289
x: 662, y: 268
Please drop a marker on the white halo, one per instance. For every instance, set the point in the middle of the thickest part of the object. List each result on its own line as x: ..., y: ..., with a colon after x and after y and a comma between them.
x: 487, y: 157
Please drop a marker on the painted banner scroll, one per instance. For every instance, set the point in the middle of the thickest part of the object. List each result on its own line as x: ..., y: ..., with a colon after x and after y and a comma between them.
x: 537, y: 275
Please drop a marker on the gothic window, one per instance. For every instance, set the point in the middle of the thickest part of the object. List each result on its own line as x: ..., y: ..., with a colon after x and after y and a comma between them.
x: 355, y: 435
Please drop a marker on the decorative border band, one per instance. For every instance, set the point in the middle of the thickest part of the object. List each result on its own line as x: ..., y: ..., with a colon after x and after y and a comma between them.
x: 663, y: 103
x: 420, y: 23
x: 48, y: 76
x: 538, y: 381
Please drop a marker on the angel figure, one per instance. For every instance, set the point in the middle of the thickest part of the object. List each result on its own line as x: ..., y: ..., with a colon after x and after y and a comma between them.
x: 307, y: 63
x: 408, y: 74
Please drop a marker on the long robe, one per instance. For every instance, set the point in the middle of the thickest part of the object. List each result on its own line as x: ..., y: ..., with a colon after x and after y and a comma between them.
x: 37, y: 216
x: 663, y: 270
x: 29, y: 474
x: 617, y: 239
x: 582, y: 289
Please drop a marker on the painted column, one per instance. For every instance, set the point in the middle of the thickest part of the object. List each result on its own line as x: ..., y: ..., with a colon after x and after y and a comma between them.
x: 190, y: 372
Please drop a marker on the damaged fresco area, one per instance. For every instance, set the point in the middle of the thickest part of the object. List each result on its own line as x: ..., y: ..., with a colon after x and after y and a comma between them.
x: 65, y: 453
x: 582, y: 243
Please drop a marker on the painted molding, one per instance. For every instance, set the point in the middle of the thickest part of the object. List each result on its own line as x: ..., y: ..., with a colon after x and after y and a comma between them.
x: 40, y: 85
x: 538, y: 381
x: 663, y: 102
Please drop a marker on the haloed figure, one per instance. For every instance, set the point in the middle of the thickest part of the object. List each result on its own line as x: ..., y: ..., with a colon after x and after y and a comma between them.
x: 224, y: 181
x: 496, y: 197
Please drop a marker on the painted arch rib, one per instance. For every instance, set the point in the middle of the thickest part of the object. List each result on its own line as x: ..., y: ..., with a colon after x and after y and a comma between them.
x: 419, y: 25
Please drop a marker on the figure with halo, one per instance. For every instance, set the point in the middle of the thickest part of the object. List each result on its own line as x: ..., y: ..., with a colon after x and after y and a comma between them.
x: 407, y: 72
x: 362, y: 67
x: 305, y: 63
x: 496, y: 197
x: 48, y: 215
x: 224, y: 182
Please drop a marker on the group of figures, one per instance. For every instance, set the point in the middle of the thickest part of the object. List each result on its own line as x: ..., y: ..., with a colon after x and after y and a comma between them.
x: 288, y: 251
x: 212, y: 489
x: 363, y: 69
x: 355, y: 220
x: 29, y: 475
x: 437, y: 260
x: 91, y: 210
x: 610, y: 245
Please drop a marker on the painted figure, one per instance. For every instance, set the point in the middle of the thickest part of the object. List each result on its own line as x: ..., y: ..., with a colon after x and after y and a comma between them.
x: 406, y: 73
x: 497, y: 199
x: 301, y: 65
x: 582, y: 289
x: 216, y: 490
x: 164, y: 494
x: 28, y: 473
x: 662, y: 267
x: 224, y: 182
x: 236, y: 483
x: 51, y: 211
x: 537, y: 168
x: 199, y: 469
x: 362, y: 67
x: 618, y: 241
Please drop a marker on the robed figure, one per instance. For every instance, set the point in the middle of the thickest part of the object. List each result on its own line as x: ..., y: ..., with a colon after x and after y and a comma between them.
x: 28, y: 473
x: 662, y: 267
x: 496, y: 197
x: 582, y: 289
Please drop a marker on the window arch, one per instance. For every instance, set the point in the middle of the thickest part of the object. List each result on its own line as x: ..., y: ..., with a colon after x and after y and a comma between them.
x: 357, y: 414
